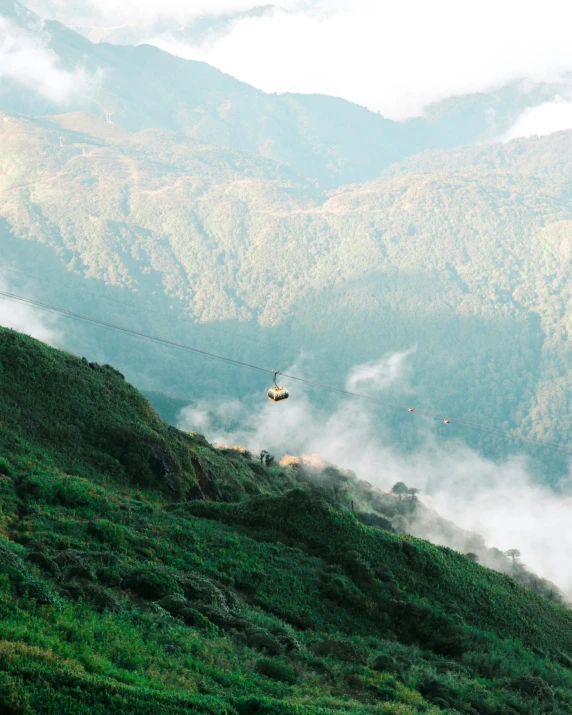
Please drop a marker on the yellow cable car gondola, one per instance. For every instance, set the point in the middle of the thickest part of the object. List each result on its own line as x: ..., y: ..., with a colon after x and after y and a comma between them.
x: 277, y: 393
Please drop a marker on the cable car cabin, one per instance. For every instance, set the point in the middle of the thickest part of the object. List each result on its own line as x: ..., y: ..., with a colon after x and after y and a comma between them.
x: 277, y: 393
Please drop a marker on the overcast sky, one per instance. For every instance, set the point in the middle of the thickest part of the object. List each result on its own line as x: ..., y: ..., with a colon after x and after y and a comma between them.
x: 395, y: 57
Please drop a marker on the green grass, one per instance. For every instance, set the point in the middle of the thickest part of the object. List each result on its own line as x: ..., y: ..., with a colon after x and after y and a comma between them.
x: 120, y: 594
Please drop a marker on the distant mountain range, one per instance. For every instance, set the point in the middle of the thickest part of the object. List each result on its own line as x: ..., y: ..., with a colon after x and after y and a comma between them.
x: 327, y: 139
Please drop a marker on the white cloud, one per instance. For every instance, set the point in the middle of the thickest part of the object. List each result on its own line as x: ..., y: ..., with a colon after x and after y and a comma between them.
x: 501, y: 502
x: 512, y: 511
x: 379, y: 374
x: 24, y: 319
x: 394, y: 57
x: 25, y: 58
x: 111, y: 13
x: 544, y: 119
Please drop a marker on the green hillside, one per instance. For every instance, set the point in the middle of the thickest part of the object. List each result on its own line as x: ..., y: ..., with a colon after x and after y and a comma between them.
x: 176, y: 577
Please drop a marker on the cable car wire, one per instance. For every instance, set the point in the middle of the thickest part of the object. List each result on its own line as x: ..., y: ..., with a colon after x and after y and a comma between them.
x: 128, y: 331
x: 295, y: 378
x: 137, y: 308
x: 428, y: 413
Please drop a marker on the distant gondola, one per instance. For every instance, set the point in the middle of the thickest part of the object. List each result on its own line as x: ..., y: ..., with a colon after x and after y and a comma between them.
x: 277, y: 392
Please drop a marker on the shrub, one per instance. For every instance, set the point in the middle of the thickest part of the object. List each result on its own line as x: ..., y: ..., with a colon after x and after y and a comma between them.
x: 10, y: 558
x: 101, y: 598
x: 221, y: 616
x: 14, y: 699
x: 108, y: 532
x: 531, y: 685
x: 438, y: 693
x: 173, y: 604
x: 6, y: 468
x: 218, y: 604
x: 385, y: 663
x: 196, y: 619
x: 114, y: 371
x: 70, y: 557
x: 202, y: 590
x: 110, y: 576
x: 152, y: 584
x: 357, y: 567
x: 321, y: 667
x: 286, y: 639
x: 341, y: 591
x: 39, y: 591
x: 339, y: 650
x: 276, y: 670
x: 44, y: 562
x: 383, y: 692
x: 79, y: 571
x: 263, y: 640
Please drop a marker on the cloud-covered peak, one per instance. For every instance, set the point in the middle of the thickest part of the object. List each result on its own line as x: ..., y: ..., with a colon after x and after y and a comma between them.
x: 27, y: 59
x: 396, y: 58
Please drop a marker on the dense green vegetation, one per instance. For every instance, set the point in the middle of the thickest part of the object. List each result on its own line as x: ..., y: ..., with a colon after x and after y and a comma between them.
x: 177, y: 577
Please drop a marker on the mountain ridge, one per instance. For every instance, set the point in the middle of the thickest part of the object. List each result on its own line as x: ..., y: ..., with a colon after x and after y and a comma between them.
x: 324, y: 138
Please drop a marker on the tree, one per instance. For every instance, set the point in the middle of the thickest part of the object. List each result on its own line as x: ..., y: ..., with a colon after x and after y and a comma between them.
x: 472, y: 557
x: 266, y: 458
x: 400, y: 488
x: 413, y: 493
x: 513, y: 554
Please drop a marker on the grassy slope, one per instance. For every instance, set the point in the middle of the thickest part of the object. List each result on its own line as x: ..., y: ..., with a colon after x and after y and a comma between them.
x: 118, y: 596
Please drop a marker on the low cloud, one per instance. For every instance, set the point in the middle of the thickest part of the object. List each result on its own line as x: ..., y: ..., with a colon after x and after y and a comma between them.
x: 396, y: 58
x: 144, y: 13
x: 380, y: 374
x: 25, y: 319
x: 26, y: 58
x: 512, y: 511
x: 500, y: 501
x: 544, y: 119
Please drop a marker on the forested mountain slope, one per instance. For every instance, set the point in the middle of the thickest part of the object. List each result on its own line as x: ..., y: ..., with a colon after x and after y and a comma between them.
x: 461, y: 255
x: 142, y: 569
